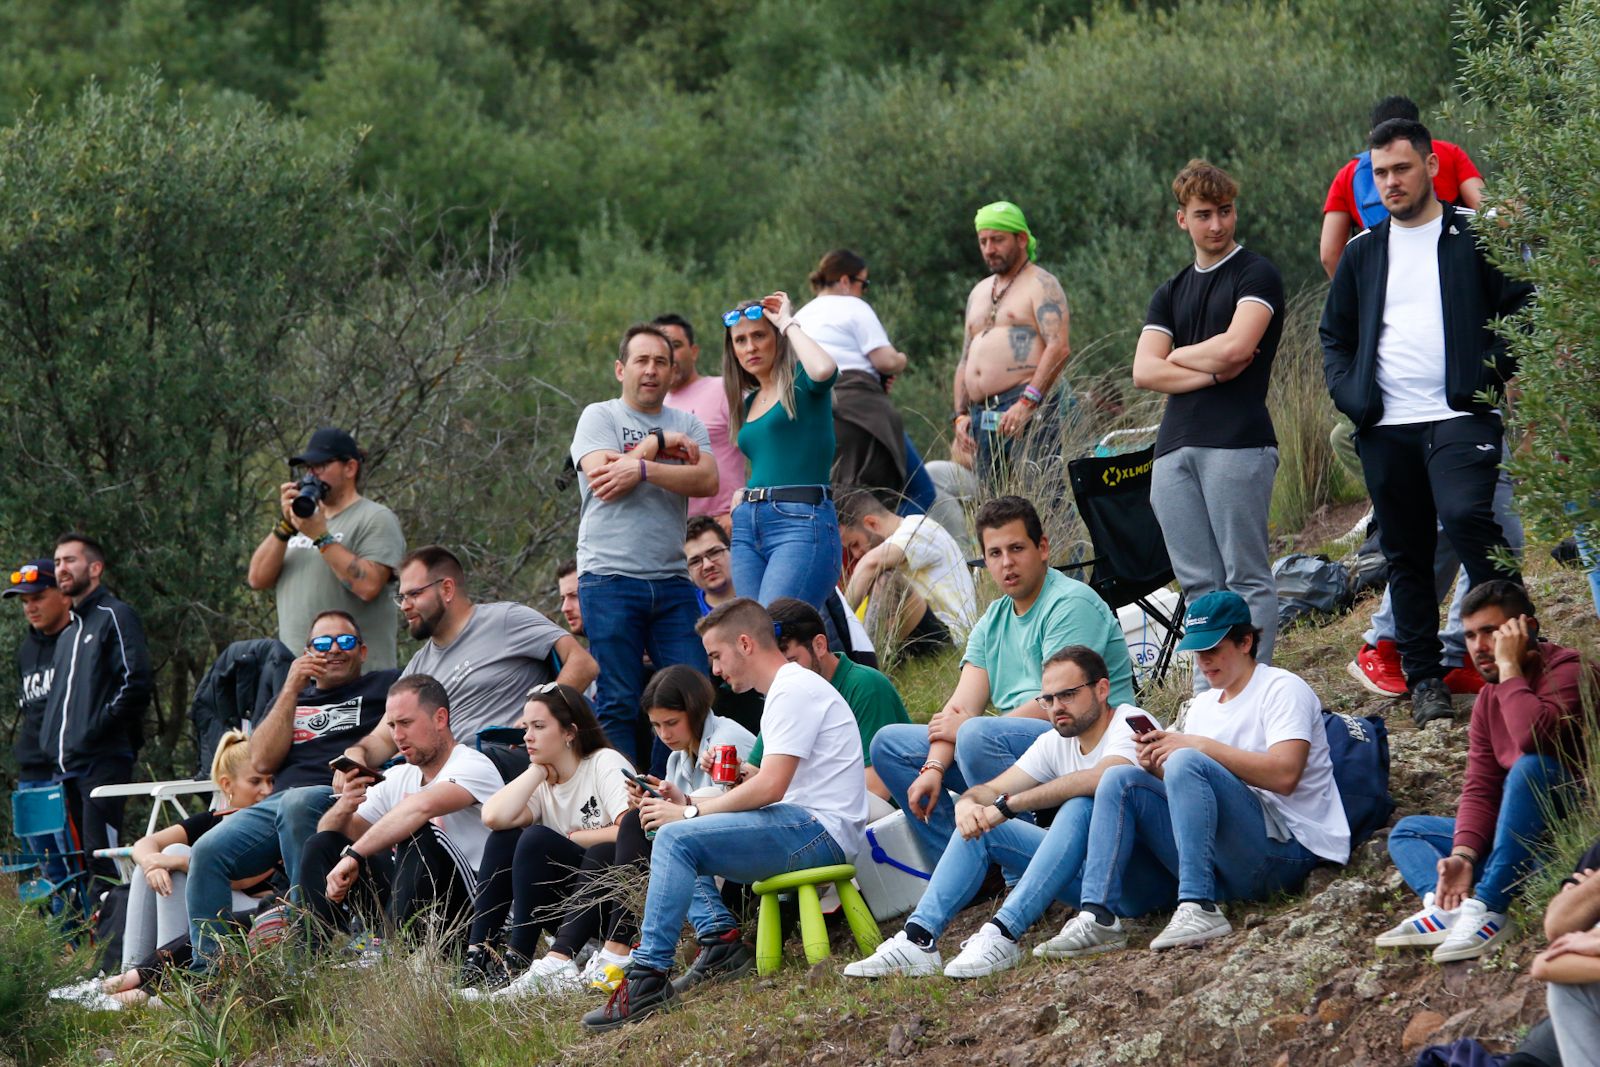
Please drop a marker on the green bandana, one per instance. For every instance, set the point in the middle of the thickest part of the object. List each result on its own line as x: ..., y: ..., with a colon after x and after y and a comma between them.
x: 1006, y: 216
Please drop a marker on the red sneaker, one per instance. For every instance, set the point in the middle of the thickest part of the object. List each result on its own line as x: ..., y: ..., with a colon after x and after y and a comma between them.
x: 1378, y: 669
x: 1465, y: 679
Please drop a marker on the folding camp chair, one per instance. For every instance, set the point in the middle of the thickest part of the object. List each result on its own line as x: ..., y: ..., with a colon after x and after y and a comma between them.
x: 1130, y: 568
x: 42, y: 812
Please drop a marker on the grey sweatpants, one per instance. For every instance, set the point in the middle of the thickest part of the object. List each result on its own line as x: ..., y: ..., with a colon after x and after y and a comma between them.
x: 1212, y: 504
x: 1575, y: 1014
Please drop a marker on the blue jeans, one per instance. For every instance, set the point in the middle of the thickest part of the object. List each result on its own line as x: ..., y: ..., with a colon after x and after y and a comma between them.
x: 1589, y: 552
x: 985, y: 746
x: 53, y: 847
x: 742, y: 846
x: 246, y: 843
x: 920, y: 492
x: 626, y: 618
x: 785, y: 550
x: 1448, y: 572
x: 1418, y: 842
x: 1202, y: 825
x: 1032, y: 459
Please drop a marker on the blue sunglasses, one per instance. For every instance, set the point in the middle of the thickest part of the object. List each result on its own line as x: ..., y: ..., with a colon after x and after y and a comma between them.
x: 731, y: 318
x: 346, y: 643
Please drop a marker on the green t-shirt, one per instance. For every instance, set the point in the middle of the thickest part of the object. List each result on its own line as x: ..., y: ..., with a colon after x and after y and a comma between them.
x: 873, y: 700
x: 1012, y: 648
x: 797, y: 451
x: 307, y: 586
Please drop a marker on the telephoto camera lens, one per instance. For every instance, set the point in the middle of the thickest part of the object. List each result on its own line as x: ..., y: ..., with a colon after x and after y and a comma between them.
x: 311, y: 491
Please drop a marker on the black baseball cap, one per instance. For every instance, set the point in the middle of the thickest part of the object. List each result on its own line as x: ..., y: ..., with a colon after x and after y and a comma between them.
x: 327, y: 443
x: 35, y: 576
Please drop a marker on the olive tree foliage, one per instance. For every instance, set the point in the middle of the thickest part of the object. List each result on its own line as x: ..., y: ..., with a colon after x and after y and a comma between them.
x: 1543, y: 85
x: 183, y: 297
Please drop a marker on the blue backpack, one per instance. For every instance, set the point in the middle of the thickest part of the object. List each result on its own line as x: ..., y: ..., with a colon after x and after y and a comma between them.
x: 1369, y: 202
x: 1359, y: 749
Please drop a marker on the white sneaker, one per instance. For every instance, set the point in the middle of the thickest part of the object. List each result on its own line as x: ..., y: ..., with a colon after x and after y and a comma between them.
x: 1083, y: 936
x: 548, y: 975
x: 899, y: 956
x: 1191, y: 924
x: 984, y: 953
x: 1475, y: 931
x: 1427, y: 927
x: 89, y: 993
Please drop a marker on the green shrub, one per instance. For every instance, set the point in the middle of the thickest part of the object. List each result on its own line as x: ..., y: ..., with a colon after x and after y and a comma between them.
x: 38, y: 957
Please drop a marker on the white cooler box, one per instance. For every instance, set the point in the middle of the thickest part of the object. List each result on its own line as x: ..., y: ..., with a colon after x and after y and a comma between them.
x: 1143, y: 633
x: 892, y: 871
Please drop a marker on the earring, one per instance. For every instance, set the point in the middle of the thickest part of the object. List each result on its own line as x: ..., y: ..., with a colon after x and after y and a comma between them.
x: 227, y: 798
x: 569, y: 742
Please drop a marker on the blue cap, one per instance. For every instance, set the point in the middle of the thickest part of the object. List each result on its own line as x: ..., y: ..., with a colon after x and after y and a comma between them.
x: 35, y: 576
x: 1209, y: 619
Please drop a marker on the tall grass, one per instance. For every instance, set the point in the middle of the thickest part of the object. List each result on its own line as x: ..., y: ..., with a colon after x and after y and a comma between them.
x: 1303, y: 414
x: 36, y: 955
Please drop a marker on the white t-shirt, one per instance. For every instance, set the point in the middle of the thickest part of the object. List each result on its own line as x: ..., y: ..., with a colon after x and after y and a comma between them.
x: 1411, y: 367
x: 860, y: 640
x: 1052, y: 756
x: 461, y: 832
x: 1279, y: 706
x: 938, y: 572
x: 806, y: 717
x: 592, y: 799
x: 847, y: 329
x: 683, y: 768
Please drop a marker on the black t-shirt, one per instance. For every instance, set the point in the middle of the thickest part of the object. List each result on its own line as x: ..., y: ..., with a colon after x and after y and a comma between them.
x: 1195, y: 305
x: 326, y: 722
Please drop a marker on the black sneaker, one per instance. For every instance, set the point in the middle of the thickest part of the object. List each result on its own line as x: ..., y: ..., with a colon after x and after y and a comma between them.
x: 643, y: 990
x: 722, y: 956
x: 1430, y: 702
x: 484, y: 970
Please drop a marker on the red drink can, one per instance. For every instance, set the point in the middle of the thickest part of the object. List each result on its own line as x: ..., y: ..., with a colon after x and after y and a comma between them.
x: 725, y: 771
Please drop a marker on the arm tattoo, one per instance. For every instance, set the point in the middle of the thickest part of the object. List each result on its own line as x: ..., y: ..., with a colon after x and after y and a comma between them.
x: 354, y: 570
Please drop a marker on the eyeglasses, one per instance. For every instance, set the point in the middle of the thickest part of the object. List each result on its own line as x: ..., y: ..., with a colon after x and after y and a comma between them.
x: 404, y: 595
x: 731, y: 318
x: 863, y: 282
x: 696, y: 562
x: 1050, y: 700
x: 325, y: 643
x: 29, y: 573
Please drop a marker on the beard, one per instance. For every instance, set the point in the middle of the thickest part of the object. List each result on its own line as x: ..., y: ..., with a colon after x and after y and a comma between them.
x: 1407, y: 212
x: 426, y: 625
x: 1077, y: 724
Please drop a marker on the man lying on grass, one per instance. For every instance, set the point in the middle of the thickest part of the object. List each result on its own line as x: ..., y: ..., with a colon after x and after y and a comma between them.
x: 806, y: 807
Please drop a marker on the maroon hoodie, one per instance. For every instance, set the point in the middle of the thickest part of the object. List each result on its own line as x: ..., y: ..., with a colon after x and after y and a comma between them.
x: 1540, y: 712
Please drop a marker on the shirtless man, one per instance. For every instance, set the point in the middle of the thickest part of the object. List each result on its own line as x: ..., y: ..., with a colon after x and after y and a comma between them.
x: 1015, y: 349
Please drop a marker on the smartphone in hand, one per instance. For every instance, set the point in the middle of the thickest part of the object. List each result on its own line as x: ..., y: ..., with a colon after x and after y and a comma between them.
x: 1141, y: 724
x: 641, y: 781
x: 354, y: 768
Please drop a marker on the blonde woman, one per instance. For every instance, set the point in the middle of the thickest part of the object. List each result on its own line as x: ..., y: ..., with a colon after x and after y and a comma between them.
x: 156, y: 912
x: 780, y: 397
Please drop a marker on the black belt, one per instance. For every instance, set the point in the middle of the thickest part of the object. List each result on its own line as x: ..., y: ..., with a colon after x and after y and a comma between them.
x: 788, y: 494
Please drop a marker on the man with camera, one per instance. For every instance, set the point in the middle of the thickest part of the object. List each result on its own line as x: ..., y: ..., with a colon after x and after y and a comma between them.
x: 333, y: 548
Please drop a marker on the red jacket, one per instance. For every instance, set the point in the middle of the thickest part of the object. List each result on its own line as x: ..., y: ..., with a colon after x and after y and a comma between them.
x: 1542, y: 712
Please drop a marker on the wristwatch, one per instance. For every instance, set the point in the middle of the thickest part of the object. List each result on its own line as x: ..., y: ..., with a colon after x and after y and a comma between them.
x: 349, y: 852
x: 1004, y: 808
x: 661, y: 441
x: 690, y: 811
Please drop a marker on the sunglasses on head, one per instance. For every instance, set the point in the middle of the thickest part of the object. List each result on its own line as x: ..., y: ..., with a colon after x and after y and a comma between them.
x: 29, y: 573
x: 731, y: 318
x: 325, y: 643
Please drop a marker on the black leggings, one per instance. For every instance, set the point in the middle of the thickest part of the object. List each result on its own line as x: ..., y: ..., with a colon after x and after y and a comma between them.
x: 421, y: 879
x: 594, y: 910
x: 530, y: 872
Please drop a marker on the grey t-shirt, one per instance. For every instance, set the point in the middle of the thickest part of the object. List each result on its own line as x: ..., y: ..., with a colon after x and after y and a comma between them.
x: 504, y: 650
x: 640, y: 534
x: 307, y: 586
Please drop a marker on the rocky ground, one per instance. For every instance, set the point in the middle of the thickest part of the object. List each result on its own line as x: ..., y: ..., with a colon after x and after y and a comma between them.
x: 1298, y: 983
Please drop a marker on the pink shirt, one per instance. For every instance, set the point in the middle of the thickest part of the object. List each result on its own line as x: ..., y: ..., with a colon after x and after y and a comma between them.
x: 705, y: 399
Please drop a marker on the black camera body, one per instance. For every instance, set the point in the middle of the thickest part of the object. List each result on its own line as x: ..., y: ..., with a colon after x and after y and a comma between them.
x: 309, y: 491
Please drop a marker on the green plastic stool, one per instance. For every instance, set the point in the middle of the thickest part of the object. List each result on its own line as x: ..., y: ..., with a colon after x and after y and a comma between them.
x: 813, y: 931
